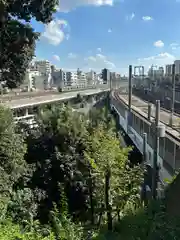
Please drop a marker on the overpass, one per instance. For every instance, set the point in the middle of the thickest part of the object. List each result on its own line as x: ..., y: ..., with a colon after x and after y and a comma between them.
x: 169, y: 152
x: 25, y: 107
x: 31, y: 101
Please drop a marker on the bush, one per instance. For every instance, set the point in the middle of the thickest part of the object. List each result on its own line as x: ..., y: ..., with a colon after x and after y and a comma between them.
x: 10, y: 231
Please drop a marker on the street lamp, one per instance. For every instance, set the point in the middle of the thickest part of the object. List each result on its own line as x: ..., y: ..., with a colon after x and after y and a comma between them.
x: 173, y: 96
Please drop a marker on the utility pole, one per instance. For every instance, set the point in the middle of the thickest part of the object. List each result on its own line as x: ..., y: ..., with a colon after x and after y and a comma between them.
x: 130, y: 98
x: 130, y: 88
x: 145, y: 148
x: 173, y: 96
x: 149, y: 111
x: 156, y: 150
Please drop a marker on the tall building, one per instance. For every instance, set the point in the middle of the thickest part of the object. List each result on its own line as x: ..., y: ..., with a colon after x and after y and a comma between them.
x: 59, y: 77
x: 91, y: 78
x: 177, y: 67
x: 82, y: 79
x: 161, y: 71
x: 169, y: 70
x: 106, y: 76
x: 43, y: 67
x: 115, y: 79
x: 36, y: 80
x: 71, y: 78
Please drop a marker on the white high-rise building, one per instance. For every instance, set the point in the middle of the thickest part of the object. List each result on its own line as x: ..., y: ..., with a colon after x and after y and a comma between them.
x: 43, y: 67
x: 82, y: 78
x: 91, y: 78
x: 36, y: 80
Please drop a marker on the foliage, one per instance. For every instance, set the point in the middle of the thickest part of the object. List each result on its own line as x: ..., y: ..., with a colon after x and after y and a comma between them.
x: 12, y: 149
x: 150, y: 223
x: 17, y: 37
x: 107, y: 158
x: 74, y: 162
x: 10, y: 231
x: 16, y: 54
x: 55, y: 149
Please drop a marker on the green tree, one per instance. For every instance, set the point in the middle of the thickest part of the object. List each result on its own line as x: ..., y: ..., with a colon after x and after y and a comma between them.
x: 56, y: 150
x: 17, y: 37
x: 107, y: 159
x: 12, y: 150
x: 115, y: 181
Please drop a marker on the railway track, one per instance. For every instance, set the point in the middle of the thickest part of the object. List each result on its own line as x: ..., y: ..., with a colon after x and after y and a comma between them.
x: 169, y: 131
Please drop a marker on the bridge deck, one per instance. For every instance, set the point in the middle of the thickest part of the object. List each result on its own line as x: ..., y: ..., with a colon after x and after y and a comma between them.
x: 142, y: 106
x: 43, y: 99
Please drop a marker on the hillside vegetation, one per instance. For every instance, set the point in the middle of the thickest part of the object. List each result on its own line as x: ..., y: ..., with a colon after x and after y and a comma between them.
x: 70, y: 179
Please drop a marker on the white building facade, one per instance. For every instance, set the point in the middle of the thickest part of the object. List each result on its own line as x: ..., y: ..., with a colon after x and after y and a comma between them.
x: 71, y: 79
x: 43, y: 67
x: 91, y: 78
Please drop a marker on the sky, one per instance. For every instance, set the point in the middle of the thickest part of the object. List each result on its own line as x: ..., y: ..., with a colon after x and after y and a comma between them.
x: 96, y: 34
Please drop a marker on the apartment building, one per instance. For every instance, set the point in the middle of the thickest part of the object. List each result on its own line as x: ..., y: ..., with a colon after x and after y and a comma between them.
x: 91, y: 78
x: 71, y: 79
x: 44, y: 67
x: 34, y: 80
x: 168, y: 70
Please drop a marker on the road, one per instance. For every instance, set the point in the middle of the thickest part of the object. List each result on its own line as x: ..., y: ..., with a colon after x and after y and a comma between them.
x: 13, y: 96
x: 142, y: 106
x: 32, y: 101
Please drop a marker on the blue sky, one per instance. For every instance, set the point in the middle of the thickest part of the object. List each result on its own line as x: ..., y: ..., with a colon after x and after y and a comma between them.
x: 93, y: 34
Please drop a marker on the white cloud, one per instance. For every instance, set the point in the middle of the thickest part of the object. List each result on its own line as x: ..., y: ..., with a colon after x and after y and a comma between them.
x: 147, y: 18
x: 99, y: 49
x: 130, y: 17
x: 160, y: 60
x: 68, y: 5
x: 109, y: 30
x: 174, y: 46
x: 91, y: 58
x: 159, y: 44
x: 72, y: 55
x: 56, y: 31
x: 99, y: 61
x: 56, y: 57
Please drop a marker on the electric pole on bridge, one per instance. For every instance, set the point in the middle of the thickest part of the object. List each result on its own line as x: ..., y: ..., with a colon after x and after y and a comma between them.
x: 156, y: 150
x: 159, y: 132
x: 130, y: 88
x: 173, y: 96
x: 129, y: 118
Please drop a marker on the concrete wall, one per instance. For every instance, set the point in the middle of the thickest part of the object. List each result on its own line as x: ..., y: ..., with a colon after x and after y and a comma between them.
x: 138, y: 141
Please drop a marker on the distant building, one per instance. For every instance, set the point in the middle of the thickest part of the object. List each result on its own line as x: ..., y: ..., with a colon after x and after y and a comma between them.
x: 177, y: 67
x: 106, y: 76
x: 91, y: 78
x: 59, y: 78
x: 71, y: 79
x: 43, y: 67
x: 36, y: 80
x: 81, y: 78
x: 115, y: 79
x: 168, y: 70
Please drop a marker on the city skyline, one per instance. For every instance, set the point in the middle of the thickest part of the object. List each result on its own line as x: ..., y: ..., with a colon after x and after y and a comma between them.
x: 113, y: 34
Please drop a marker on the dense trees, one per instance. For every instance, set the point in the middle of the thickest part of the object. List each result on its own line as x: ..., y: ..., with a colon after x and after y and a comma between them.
x: 12, y: 149
x: 17, y: 37
x: 69, y: 156
x: 68, y: 177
